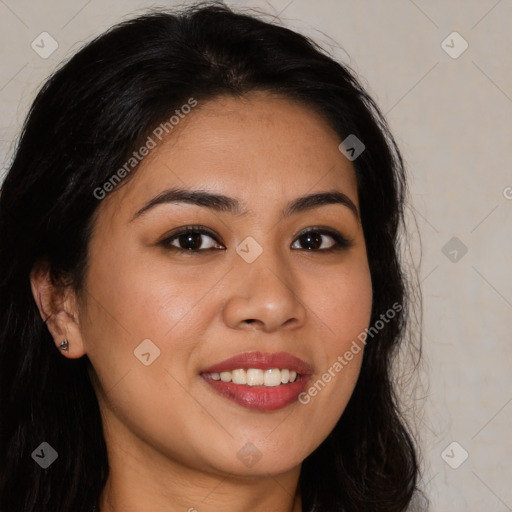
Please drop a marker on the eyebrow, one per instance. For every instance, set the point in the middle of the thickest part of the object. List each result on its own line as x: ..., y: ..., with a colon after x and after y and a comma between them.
x: 222, y: 203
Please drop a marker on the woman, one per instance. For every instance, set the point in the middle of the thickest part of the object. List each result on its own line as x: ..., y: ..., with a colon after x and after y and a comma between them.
x: 201, y: 295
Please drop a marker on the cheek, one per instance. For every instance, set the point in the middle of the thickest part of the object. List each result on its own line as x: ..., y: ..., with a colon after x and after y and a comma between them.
x: 343, y: 302
x: 131, y: 305
x: 135, y: 299
x: 130, y: 302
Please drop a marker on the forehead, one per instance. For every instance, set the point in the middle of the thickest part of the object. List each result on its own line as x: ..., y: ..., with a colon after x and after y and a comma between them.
x: 260, y: 147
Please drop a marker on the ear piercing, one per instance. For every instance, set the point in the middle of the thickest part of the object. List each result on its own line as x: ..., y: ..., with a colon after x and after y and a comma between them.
x: 64, y: 345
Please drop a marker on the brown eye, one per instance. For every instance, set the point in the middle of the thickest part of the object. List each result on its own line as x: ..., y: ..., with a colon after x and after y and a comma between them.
x: 190, y: 239
x: 315, y: 240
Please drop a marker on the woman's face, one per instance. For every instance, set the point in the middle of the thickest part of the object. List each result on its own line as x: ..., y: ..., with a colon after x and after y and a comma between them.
x: 248, y: 285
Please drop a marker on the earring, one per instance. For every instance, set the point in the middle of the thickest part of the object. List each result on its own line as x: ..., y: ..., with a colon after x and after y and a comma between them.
x: 64, y: 345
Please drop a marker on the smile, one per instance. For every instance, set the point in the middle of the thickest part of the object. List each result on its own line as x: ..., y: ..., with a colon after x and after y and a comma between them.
x: 265, y: 382
x: 257, y: 377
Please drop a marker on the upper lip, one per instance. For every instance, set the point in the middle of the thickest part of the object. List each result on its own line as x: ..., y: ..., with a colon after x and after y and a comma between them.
x: 263, y: 361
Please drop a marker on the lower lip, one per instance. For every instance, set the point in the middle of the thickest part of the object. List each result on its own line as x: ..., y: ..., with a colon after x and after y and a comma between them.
x: 262, y: 398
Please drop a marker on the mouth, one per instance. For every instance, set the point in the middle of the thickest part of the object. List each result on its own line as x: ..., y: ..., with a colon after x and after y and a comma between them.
x: 257, y: 377
x: 262, y: 381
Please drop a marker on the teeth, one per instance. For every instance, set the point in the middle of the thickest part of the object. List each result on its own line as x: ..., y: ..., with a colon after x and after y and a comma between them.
x: 238, y: 377
x: 272, y: 377
x: 256, y: 377
x: 225, y: 376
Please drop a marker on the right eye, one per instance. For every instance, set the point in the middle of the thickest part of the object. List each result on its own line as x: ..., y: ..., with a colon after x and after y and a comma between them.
x: 189, y: 239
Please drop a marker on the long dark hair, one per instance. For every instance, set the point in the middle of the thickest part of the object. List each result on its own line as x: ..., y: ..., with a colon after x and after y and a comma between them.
x: 85, y: 122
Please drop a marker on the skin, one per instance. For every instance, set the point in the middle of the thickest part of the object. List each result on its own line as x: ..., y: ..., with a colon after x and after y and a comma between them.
x: 172, y: 441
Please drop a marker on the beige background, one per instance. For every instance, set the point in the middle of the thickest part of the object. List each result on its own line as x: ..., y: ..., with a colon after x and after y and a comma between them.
x: 452, y: 120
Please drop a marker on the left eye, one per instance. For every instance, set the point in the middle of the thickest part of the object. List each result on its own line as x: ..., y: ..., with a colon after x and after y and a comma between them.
x: 313, y: 238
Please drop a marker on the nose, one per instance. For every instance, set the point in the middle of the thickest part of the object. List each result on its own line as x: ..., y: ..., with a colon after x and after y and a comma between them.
x: 263, y: 295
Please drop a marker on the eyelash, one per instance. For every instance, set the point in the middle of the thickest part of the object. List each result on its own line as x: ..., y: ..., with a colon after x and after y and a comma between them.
x: 340, y: 242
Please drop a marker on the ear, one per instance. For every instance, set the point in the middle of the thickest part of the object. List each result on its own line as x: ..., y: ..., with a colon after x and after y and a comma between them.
x: 58, y: 307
